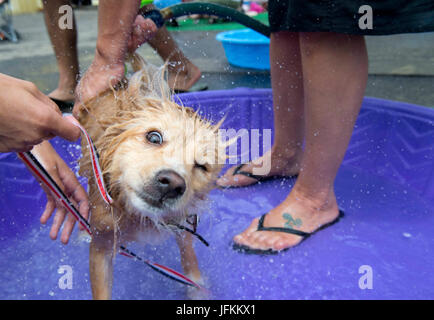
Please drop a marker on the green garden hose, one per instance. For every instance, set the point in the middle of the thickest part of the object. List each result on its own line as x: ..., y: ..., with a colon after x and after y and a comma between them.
x: 189, y: 8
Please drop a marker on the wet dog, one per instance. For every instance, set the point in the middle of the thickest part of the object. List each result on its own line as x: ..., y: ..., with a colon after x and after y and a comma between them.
x: 159, y: 161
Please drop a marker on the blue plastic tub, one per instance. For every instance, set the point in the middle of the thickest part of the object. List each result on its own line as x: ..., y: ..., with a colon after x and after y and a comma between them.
x: 160, y: 4
x: 246, y: 48
x: 385, y: 186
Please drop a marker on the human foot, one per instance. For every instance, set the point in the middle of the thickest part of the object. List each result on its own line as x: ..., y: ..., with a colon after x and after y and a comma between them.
x: 63, y: 95
x: 284, y: 164
x: 295, y: 212
x: 182, y: 75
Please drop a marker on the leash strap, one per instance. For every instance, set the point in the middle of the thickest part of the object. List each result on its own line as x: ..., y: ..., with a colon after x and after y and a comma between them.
x: 95, y: 165
x: 193, y: 232
x: 36, y: 167
x: 172, y: 274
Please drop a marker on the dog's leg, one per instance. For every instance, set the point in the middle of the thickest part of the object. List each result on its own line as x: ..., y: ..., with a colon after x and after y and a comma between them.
x: 191, y: 266
x: 101, y: 266
x: 188, y: 256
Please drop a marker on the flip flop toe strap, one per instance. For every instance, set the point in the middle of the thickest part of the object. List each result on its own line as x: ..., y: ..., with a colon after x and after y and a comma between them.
x: 280, y: 229
x: 258, y: 178
x: 247, y: 174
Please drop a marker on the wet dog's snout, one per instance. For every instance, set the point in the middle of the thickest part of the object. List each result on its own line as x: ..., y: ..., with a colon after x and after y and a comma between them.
x: 169, y: 184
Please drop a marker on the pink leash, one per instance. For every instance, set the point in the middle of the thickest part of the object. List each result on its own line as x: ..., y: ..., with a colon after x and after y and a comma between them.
x: 38, y: 170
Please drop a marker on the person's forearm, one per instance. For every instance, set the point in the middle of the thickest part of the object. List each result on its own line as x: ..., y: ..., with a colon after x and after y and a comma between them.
x: 115, y: 22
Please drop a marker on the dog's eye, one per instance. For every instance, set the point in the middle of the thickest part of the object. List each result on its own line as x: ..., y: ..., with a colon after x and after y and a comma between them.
x: 200, y: 166
x: 154, y: 137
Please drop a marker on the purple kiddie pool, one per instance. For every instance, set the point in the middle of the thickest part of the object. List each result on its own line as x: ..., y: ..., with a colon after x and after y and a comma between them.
x: 385, y: 186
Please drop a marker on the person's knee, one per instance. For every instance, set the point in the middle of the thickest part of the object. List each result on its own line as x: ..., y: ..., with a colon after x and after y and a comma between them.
x: 316, y: 42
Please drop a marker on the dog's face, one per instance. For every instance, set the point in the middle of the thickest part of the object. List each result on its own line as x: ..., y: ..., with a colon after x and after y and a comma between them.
x: 165, y: 161
x: 159, y: 159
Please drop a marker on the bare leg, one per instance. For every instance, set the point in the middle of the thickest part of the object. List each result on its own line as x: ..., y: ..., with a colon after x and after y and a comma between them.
x: 335, y: 69
x: 182, y: 72
x: 287, y: 84
x: 64, y: 43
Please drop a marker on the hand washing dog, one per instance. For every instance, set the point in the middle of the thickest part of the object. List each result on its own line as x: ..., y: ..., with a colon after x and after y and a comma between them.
x: 159, y: 161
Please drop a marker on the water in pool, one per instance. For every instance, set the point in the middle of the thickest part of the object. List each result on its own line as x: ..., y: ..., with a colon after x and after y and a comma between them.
x: 387, y: 228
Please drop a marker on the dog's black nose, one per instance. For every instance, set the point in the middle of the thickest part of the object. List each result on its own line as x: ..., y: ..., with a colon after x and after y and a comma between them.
x: 170, y: 184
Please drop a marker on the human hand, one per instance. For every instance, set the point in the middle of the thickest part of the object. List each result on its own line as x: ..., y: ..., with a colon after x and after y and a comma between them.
x: 107, y: 68
x: 143, y: 30
x: 27, y: 116
x: 68, y: 182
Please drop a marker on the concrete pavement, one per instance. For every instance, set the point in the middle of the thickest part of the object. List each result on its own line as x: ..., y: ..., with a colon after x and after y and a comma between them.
x: 401, y: 66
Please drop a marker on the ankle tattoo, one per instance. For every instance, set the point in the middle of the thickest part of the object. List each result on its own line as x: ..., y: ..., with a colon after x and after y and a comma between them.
x: 291, y: 222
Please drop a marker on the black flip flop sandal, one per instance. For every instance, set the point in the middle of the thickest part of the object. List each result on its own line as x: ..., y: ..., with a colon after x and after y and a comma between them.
x: 304, y: 235
x: 63, y: 105
x: 258, y: 178
x: 196, y: 87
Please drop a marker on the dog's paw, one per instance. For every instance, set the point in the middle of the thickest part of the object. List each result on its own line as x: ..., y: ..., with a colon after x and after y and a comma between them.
x: 83, y: 237
x: 201, y: 293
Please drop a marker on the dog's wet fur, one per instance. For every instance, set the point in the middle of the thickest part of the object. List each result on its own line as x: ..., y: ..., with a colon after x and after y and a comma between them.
x: 159, y: 161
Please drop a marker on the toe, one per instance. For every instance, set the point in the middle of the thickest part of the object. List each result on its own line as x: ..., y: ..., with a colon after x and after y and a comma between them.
x: 235, y: 180
x: 242, y: 237
x: 285, y: 242
x: 256, y: 240
x: 223, y: 181
x: 229, y: 179
x: 239, y: 238
x: 271, y: 241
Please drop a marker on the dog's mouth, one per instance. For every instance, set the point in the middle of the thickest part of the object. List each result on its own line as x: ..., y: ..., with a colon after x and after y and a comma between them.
x: 161, y: 203
x: 163, y: 191
x: 151, y: 201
